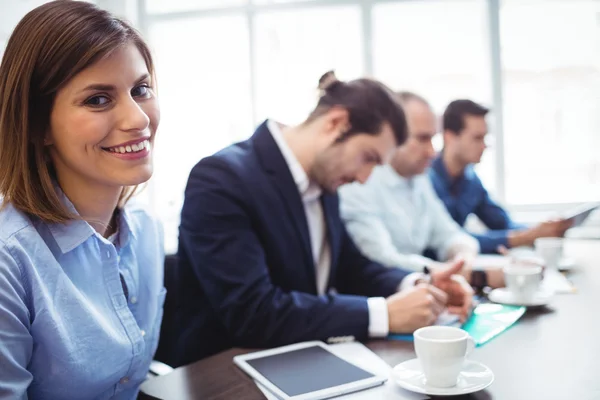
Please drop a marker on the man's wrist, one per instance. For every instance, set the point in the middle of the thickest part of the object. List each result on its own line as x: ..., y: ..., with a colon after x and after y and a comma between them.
x: 378, y: 317
x: 479, y: 279
x: 520, y: 238
x: 411, y: 280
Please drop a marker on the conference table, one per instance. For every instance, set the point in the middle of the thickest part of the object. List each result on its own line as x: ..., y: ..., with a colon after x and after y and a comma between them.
x: 551, y: 353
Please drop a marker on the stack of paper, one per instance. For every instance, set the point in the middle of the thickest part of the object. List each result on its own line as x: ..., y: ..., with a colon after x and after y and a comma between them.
x: 556, y: 282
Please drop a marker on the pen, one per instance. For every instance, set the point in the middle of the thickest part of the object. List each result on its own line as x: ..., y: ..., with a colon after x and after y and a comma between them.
x: 426, y: 274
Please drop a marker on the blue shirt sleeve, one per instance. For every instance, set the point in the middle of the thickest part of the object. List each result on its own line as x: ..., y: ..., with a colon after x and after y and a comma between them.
x: 492, y: 214
x: 16, y: 344
x: 470, y: 196
x: 490, y: 241
x: 497, y: 220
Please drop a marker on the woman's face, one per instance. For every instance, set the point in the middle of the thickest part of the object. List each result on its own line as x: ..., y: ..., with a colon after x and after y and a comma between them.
x: 103, y: 123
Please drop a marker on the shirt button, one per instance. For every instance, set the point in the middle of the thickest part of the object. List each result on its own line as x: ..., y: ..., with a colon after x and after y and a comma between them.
x: 143, y: 332
x: 133, y: 300
x: 108, y: 254
x: 124, y: 381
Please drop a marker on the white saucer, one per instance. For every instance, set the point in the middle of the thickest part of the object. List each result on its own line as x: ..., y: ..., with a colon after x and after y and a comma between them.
x: 473, y: 378
x: 504, y: 296
x: 566, y: 264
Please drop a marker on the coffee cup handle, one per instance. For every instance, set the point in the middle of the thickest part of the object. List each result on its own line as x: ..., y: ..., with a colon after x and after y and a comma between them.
x: 470, y: 345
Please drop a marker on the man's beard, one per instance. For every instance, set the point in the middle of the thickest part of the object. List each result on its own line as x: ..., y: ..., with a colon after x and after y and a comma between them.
x: 321, y: 173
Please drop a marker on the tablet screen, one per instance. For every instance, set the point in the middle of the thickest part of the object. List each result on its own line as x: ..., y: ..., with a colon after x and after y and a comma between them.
x: 307, y: 370
x: 580, y: 214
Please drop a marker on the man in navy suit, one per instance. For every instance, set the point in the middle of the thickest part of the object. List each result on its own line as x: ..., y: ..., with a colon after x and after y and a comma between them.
x: 264, y: 259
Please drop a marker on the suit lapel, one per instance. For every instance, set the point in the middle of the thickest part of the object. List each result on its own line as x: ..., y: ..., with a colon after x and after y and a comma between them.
x: 276, y: 167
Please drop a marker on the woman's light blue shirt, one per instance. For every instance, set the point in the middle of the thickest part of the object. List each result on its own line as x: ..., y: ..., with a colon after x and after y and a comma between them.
x: 67, y: 330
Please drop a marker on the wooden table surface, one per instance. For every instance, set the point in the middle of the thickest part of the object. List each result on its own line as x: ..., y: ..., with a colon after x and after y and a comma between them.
x: 551, y: 353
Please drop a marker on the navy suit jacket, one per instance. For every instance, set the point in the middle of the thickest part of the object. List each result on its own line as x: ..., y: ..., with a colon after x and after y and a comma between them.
x: 246, y: 275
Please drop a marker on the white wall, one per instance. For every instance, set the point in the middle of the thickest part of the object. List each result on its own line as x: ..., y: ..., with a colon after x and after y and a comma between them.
x: 13, y: 10
x: 126, y: 9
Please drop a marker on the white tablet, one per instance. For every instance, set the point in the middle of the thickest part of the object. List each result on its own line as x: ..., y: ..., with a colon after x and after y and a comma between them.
x: 306, y: 371
x: 580, y: 214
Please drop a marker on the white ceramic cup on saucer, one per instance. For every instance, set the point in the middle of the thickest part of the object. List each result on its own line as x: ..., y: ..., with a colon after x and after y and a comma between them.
x: 523, y: 281
x: 441, y: 350
x: 550, y: 249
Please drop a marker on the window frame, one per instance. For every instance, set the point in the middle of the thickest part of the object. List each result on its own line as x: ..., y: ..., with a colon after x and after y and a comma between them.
x: 366, y: 6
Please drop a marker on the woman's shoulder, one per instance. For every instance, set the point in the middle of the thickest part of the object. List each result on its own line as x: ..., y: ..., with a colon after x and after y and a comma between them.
x: 140, y: 211
x: 18, y: 236
x: 142, y: 221
x: 12, y: 221
x: 147, y: 233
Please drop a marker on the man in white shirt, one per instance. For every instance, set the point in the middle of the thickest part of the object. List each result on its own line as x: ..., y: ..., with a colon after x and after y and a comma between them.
x: 396, y: 215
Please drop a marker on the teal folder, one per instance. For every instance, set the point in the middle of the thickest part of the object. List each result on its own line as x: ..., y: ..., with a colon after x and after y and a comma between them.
x: 487, y: 321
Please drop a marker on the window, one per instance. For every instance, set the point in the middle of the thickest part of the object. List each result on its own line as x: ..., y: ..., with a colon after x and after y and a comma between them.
x: 294, y: 49
x: 168, y: 6
x: 225, y: 65
x: 204, y: 91
x: 277, y: 1
x: 551, y: 76
x: 437, y: 49
x: 11, y: 14
x: 260, y: 2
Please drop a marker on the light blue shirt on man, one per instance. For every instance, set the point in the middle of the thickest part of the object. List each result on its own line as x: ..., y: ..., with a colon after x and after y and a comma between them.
x: 67, y: 328
x: 394, y: 219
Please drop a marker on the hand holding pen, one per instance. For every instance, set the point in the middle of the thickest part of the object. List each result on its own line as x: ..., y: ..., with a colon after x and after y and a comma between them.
x: 458, y: 290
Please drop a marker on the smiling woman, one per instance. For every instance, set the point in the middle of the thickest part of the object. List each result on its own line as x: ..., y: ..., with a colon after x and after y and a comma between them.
x: 81, y: 290
x: 102, y: 110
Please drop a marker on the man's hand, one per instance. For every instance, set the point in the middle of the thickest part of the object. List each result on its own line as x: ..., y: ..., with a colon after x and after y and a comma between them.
x: 456, y: 287
x: 552, y: 228
x: 415, y: 308
x: 494, y: 276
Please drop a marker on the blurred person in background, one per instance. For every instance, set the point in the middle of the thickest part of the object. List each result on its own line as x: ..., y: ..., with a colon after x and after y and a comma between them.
x: 396, y: 216
x: 455, y: 181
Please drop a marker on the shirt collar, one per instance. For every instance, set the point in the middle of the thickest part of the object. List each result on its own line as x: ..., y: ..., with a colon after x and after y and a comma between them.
x: 469, y: 172
x: 394, y: 179
x: 306, y: 188
x: 71, y: 234
x: 125, y: 229
x: 438, y: 166
x: 452, y: 184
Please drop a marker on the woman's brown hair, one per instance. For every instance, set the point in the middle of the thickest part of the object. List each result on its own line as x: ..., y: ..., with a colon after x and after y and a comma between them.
x: 49, y: 46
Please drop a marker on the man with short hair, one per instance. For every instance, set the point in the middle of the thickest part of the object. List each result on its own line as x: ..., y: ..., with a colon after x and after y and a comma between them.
x: 396, y: 216
x: 458, y: 186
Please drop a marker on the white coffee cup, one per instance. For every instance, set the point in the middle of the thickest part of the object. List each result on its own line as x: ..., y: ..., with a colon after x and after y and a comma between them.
x: 441, y: 351
x: 523, y: 281
x: 550, y: 249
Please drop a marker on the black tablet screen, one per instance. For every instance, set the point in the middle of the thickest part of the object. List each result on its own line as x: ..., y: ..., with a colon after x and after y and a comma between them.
x: 307, y: 370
